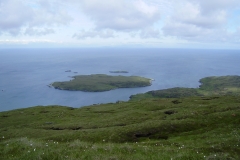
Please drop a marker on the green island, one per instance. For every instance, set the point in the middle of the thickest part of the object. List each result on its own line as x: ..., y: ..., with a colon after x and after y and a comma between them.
x: 101, y: 82
x: 177, y: 123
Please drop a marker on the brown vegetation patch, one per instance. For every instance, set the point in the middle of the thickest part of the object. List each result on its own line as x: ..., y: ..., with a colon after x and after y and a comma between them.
x: 169, y: 112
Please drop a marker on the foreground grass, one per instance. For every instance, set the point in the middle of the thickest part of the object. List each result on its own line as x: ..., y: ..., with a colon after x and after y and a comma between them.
x: 102, y: 82
x: 155, y: 128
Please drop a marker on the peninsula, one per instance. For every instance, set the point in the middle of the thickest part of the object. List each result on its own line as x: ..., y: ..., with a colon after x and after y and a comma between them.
x: 210, y: 86
x: 101, y: 82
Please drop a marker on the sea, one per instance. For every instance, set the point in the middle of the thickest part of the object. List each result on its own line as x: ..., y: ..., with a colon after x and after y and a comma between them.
x: 26, y: 73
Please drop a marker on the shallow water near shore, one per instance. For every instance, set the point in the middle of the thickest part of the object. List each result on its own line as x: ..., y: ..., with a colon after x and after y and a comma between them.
x: 25, y: 73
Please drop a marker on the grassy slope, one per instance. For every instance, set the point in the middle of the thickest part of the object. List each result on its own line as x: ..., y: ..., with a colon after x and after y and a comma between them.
x: 185, y: 128
x: 101, y: 82
x: 200, y: 127
x: 224, y: 85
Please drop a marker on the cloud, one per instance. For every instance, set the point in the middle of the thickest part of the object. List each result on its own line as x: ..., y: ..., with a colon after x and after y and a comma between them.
x: 13, y: 15
x: 200, y: 20
x: 235, y: 36
x: 16, y: 41
x: 16, y: 15
x: 214, y: 5
x: 192, y: 14
x: 120, y: 15
x: 150, y: 33
x: 50, y: 14
x: 39, y: 17
x: 170, y: 21
x: 93, y: 34
x: 38, y: 31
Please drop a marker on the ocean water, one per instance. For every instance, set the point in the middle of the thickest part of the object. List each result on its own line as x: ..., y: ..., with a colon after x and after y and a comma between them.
x: 25, y: 73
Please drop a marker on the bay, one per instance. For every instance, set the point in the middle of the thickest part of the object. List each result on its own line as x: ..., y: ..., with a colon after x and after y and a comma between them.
x: 25, y: 73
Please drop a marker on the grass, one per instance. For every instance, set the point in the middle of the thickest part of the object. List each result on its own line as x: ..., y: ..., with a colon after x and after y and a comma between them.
x: 178, y: 128
x: 190, y: 126
x: 102, y: 82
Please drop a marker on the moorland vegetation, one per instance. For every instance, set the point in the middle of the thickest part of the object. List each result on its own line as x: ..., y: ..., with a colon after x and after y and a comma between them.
x: 193, y: 125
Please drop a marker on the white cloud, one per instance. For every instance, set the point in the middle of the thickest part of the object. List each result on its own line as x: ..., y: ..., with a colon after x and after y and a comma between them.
x: 116, y: 21
x: 209, y: 6
x: 93, y: 34
x: 26, y: 41
x: 38, y: 31
x: 49, y: 14
x: 200, y: 20
x: 150, y: 33
x: 17, y: 14
x: 120, y: 15
x: 192, y: 14
x: 13, y: 15
x: 235, y: 37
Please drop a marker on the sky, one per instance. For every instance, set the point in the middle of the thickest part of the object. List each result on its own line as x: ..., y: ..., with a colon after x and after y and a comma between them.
x: 120, y: 23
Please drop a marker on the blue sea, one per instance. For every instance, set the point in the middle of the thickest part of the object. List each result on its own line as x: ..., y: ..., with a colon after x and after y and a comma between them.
x: 25, y: 73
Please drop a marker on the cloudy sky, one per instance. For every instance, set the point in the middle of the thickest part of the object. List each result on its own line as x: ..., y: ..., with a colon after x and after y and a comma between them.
x: 120, y: 23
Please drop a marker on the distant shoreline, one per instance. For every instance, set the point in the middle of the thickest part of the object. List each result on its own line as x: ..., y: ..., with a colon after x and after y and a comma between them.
x: 118, y: 71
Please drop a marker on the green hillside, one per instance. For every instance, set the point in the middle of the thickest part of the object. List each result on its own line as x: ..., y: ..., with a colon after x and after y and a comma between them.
x: 224, y: 85
x: 185, y: 128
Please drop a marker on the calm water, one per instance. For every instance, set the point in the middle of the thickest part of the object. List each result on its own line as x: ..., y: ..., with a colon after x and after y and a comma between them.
x: 25, y: 73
